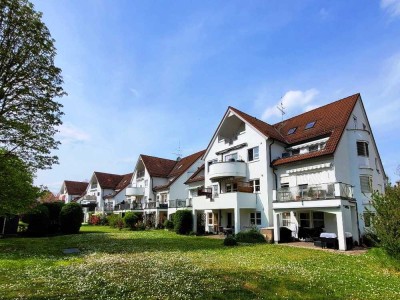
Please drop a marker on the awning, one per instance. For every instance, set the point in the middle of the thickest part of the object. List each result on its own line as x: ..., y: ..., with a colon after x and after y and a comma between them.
x: 310, y: 168
x: 316, y: 142
x: 195, y: 187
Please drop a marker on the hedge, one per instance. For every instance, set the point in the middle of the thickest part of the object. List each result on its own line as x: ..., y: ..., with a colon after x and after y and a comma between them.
x: 183, y: 221
x: 71, y: 218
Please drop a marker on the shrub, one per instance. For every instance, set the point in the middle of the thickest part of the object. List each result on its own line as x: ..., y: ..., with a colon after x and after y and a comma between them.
x: 114, y: 220
x: 183, y: 221
x: 250, y: 236
x: 94, y: 220
x: 130, y: 220
x: 386, y: 220
x: 54, y: 215
x: 370, y: 239
x: 230, y: 241
x: 38, y: 221
x: 285, y: 235
x: 71, y: 218
x: 168, y: 224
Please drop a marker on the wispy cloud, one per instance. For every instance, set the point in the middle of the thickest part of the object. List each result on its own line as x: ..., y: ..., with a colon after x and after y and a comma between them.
x: 392, y: 7
x: 292, y: 101
x: 68, y: 134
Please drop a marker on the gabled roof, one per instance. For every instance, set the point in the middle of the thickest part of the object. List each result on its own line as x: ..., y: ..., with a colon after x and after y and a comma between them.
x: 156, y: 166
x: 331, y: 120
x: 180, y: 167
x: 108, y: 181
x: 75, y: 187
x: 126, y: 179
x: 196, y: 176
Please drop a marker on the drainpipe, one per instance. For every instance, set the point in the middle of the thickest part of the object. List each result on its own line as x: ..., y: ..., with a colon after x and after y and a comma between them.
x: 270, y: 164
x: 358, y: 225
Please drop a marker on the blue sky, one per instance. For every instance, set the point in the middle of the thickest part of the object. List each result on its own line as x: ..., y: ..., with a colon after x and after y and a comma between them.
x: 148, y: 76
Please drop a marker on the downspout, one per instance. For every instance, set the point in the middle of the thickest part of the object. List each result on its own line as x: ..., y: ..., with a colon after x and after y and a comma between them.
x: 358, y: 225
x: 270, y: 164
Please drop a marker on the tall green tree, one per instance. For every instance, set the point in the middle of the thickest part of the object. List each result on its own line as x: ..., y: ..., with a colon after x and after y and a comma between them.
x: 29, y: 84
x: 17, y: 192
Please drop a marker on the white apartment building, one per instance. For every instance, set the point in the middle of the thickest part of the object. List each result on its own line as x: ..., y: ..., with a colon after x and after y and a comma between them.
x: 317, y: 169
x: 157, y: 188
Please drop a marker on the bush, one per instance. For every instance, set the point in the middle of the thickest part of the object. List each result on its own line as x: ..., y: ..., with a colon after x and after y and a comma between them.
x: 386, y: 220
x: 183, y: 221
x: 71, y: 218
x: 38, y: 221
x: 54, y: 215
x: 370, y: 239
x: 285, y: 235
x: 230, y: 241
x: 94, y: 220
x: 250, y: 236
x: 114, y: 220
x: 168, y: 224
x: 130, y: 220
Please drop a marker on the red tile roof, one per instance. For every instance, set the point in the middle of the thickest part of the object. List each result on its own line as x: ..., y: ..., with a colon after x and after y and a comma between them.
x: 108, y: 181
x: 124, y: 182
x: 331, y: 120
x: 75, y: 187
x: 197, y: 176
x: 180, y: 167
x: 158, y: 167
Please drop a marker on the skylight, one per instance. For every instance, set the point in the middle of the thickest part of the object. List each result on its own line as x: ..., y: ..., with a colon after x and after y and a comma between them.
x: 310, y: 125
x: 292, y: 130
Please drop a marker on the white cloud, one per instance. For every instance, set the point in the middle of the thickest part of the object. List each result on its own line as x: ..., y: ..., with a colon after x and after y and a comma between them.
x: 292, y: 101
x: 68, y: 133
x: 392, y: 7
x: 135, y: 92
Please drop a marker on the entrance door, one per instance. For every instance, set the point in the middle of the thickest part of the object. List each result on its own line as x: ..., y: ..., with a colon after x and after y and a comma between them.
x: 229, y: 220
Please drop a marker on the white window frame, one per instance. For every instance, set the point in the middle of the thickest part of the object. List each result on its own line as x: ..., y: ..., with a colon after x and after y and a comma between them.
x: 256, y: 187
x: 254, y: 153
x: 364, y: 181
x: 286, y: 219
x: 255, y: 218
x: 231, y: 157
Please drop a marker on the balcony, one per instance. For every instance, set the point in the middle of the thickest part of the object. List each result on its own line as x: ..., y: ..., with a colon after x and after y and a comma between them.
x: 89, y: 198
x: 337, y: 190
x: 134, y: 191
x: 227, y: 201
x: 179, y: 203
x: 219, y: 170
x: 155, y: 205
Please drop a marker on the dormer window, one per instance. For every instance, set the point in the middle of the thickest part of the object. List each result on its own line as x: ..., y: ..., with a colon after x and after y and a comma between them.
x: 313, y: 148
x: 292, y: 130
x: 310, y: 125
x: 295, y: 151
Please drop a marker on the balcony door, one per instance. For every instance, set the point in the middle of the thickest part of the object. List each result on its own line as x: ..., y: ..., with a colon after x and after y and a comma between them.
x: 229, y: 220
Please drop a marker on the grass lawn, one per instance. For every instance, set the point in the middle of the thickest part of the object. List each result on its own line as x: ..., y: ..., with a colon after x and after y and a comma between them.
x: 162, y: 265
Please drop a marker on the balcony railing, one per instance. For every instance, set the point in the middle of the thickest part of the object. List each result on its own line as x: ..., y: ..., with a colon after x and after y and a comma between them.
x: 134, y: 191
x: 155, y: 204
x: 178, y: 203
x: 227, y: 169
x: 315, y: 192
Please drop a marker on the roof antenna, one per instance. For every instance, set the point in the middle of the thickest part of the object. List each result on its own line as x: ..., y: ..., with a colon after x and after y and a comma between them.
x: 281, y: 108
x: 178, y: 152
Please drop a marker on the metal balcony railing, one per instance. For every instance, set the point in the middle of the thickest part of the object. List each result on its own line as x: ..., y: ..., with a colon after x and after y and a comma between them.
x: 315, y: 192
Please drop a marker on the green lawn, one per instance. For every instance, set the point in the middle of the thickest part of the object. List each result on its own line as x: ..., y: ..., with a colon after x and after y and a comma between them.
x: 162, y: 265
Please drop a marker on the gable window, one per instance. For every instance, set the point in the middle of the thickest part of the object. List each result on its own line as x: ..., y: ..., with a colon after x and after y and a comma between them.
x: 313, y: 148
x: 231, y: 157
x: 310, y: 125
x: 231, y: 187
x: 255, y: 184
x: 362, y: 149
x: 366, y: 183
x: 253, y: 153
x: 291, y: 130
x: 255, y: 218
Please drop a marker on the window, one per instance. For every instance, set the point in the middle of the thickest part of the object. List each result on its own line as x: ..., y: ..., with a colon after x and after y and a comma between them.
x: 318, y: 219
x: 164, y: 198
x: 310, y: 125
x: 355, y: 121
x: 98, y: 193
x: 368, y: 218
x: 231, y: 187
x: 364, y: 126
x: 253, y: 153
x: 366, y: 183
x: 231, y: 157
x: 215, y: 190
x: 255, y: 218
x: 286, y: 219
x: 304, y: 219
x: 362, y: 149
x: 303, y: 189
x: 146, y: 183
x: 291, y: 130
x: 313, y: 148
x: 255, y: 184
x: 377, y: 164
x: 295, y: 151
x: 210, y: 218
